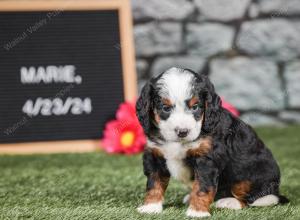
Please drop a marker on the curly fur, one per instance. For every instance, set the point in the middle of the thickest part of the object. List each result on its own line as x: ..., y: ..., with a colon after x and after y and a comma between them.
x: 238, y: 165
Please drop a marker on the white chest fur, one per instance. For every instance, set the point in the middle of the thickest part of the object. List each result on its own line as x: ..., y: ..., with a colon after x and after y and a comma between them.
x: 174, y: 153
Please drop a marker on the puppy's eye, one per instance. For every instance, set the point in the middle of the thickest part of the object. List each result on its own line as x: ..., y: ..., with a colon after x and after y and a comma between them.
x: 166, y: 108
x: 195, y: 107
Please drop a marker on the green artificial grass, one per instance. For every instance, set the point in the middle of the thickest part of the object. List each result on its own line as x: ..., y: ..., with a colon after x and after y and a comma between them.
x: 101, y: 186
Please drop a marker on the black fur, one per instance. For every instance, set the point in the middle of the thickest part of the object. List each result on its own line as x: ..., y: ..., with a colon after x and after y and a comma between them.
x: 237, y: 154
x: 154, y: 165
x: 144, y: 106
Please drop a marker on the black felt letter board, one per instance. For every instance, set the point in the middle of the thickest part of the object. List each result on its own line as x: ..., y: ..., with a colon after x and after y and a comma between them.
x: 60, y: 74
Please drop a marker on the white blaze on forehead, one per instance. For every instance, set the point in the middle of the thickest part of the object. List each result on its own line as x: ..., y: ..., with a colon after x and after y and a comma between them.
x: 176, y: 84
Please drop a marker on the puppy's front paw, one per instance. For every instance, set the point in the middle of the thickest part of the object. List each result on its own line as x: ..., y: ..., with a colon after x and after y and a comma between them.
x: 197, y: 214
x: 151, y: 208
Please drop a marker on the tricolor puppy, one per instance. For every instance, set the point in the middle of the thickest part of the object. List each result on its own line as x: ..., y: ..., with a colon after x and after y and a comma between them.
x: 193, y: 139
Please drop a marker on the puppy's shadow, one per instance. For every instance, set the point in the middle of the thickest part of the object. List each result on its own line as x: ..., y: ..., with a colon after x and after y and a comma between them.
x: 175, y: 205
x: 175, y: 202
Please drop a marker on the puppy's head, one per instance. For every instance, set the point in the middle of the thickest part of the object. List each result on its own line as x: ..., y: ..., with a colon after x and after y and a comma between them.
x: 177, y: 105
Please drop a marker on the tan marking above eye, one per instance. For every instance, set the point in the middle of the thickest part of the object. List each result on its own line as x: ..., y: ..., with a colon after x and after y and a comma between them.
x: 166, y: 102
x: 193, y: 101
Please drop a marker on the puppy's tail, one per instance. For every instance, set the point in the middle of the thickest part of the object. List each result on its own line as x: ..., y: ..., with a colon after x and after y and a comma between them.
x: 283, y: 199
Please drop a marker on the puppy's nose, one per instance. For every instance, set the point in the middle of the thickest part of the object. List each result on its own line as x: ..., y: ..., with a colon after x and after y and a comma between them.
x: 182, y: 132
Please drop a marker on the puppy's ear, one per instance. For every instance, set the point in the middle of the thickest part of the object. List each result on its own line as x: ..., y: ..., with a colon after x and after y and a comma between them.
x: 143, y: 107
x: 212, y: 109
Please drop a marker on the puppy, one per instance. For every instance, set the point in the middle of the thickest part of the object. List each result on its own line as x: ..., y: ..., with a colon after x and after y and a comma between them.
x: 191, y: 138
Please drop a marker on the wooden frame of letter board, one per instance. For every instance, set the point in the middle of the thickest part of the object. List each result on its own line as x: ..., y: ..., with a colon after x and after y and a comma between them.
x: 127, y: 58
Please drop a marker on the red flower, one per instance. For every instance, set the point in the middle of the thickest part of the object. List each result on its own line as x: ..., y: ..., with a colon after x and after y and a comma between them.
x: 230, y: 108
x: 126, y: 111
x: 124, y: 135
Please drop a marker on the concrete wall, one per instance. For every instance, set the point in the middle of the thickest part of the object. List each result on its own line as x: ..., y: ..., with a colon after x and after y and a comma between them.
x: 249, y: 48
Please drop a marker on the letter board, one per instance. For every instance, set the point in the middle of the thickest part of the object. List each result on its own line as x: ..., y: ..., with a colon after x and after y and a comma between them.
x: 65, y: 66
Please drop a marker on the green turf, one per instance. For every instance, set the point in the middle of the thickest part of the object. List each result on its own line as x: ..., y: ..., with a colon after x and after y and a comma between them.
x: 98, y: 186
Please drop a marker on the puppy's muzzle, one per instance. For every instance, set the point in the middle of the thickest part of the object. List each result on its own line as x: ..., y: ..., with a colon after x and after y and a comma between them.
x: 182, y: 132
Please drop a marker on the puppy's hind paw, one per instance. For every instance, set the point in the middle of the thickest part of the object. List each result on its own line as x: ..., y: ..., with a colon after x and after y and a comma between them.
x: 151, y: 208
x: 229, y: 203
